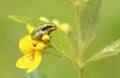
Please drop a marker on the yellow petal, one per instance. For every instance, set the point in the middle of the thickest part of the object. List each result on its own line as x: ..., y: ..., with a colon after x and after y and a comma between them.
x: 66, y: 28
x: 35, y: 42
x: 44, y: 19
x: 25, y: 61
x: 26, y: 45
x: 30, y: 61
x: 36, y: 62
x: 56, y: 22
x: 40, y: 46
x: 30, y: 28
x: 46, y: 38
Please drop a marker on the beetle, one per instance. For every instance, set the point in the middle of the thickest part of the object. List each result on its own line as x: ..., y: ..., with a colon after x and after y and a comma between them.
x: 44, y: 29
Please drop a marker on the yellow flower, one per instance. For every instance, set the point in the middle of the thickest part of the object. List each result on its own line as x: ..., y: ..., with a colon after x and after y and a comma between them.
x: 32, y: 51
x: 66, y: 28
x: 29, y: 61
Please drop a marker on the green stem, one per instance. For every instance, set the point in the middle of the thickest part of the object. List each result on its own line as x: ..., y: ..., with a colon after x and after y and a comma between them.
x: 79, y: 37
x: 81, y: 73
x: 78, y: 8
x: 34, y: 74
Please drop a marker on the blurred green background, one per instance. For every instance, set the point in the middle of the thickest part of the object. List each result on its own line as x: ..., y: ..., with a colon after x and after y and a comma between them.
x: 52, y: 66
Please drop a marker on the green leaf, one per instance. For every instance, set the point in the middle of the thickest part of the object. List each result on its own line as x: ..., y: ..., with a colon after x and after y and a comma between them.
x: 110, y: 50
x: 62, y: 43
x: 89, y: 17
x: 25, y: 20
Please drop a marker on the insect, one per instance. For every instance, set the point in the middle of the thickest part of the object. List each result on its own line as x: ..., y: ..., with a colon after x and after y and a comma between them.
x: 42, y: 30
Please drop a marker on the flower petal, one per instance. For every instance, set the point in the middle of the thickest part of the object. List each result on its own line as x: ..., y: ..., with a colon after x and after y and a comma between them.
x: 40, y: 46
x: 36, y: 62
x: 44, y: 19
x: 30, y: 28
x: 30, y: 61
x: 56, y: 22
x: 26, y: 45
x: 46, y: 38
x: 25, y: 61
x: 65, y: 27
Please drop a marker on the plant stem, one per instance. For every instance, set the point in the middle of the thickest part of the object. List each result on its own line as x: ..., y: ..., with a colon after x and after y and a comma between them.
x: 34, y: 74
x: 81, y: 73
x: 78, y: 8
x: 79, y: 37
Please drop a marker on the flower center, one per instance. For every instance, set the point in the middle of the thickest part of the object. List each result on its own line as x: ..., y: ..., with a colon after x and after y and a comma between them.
x: 31, y: 56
